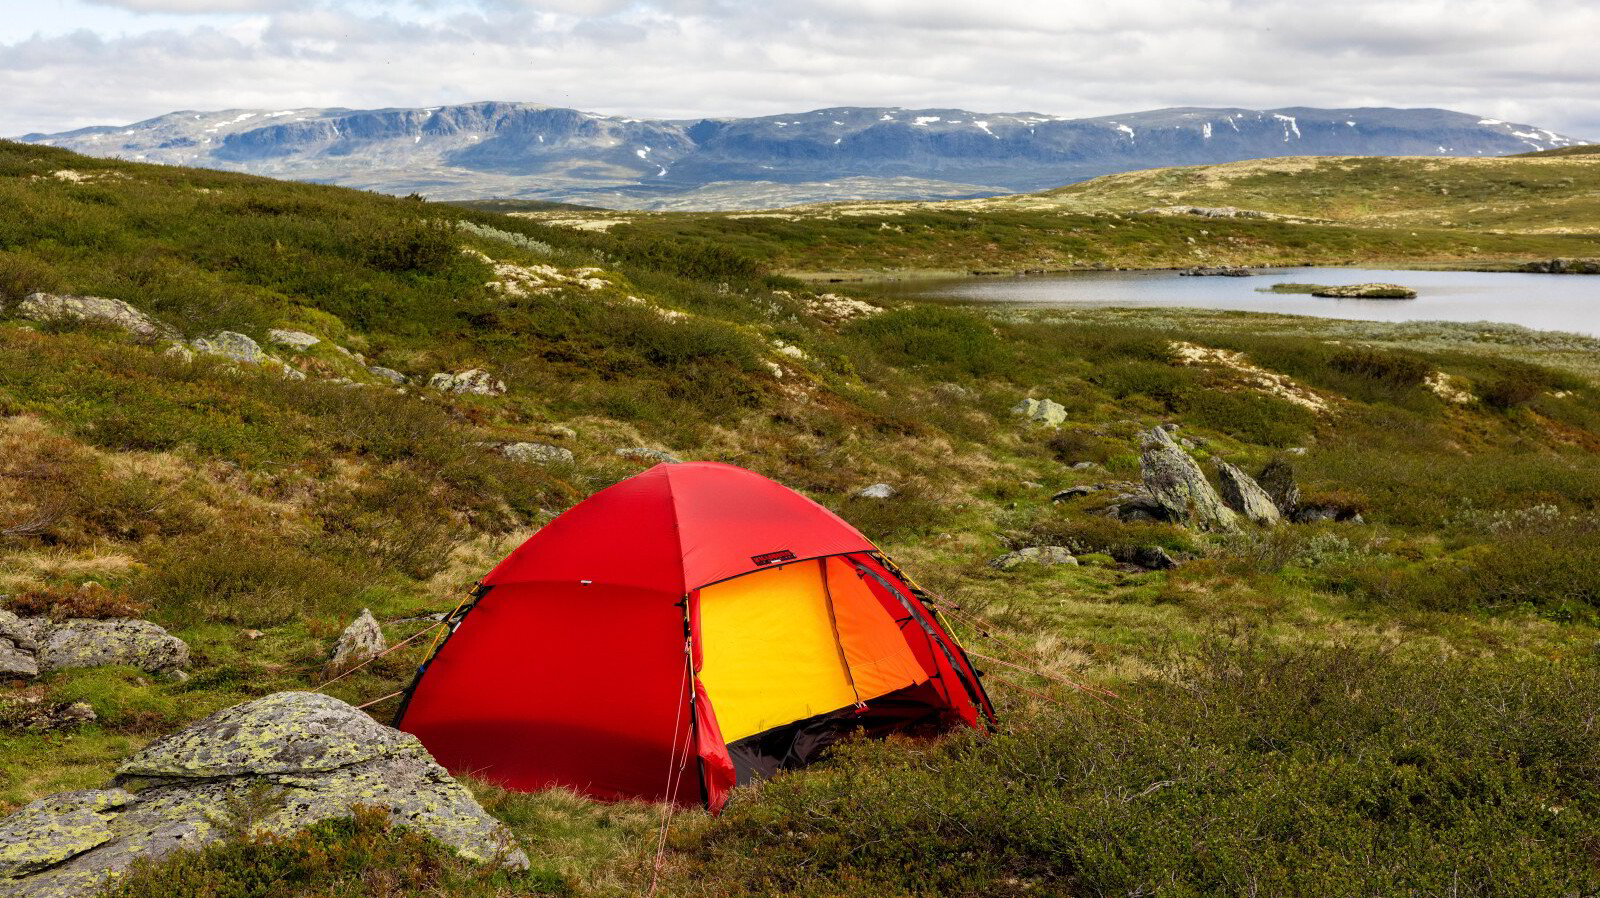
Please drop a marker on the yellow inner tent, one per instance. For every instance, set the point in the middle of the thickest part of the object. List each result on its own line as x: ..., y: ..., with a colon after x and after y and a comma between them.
x: 796, y: 641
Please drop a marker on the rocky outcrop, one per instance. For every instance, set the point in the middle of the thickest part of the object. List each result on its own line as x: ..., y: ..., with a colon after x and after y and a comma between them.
x: 360, y: 641
x: 1366, y: 291
x: 1176, y: 485
x: 653, y: 456
x: 81, y: 642
x: 1564, y: 266
x: 19, y: 654
x: 1041, y: 411
x: 1278, y: 480
x: 298, y: 340
x: 237, y: 347
x: 1042, y: 555
x: 295, y: 758
x: 877, y: 491
x: 473, y: 381
x: 115, y: 312
x: 1245, y: 496
x: 537, y: 453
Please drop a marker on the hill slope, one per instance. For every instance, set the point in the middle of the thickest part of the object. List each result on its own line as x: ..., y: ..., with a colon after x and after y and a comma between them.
x: 254, y: 512
x: 522, y: 150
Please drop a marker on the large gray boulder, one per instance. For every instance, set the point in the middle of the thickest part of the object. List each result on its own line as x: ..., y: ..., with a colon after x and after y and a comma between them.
x: 362, y: 640
x: 1245, y: 496
x: 1175, y: 483
x: 19, y: 654
x: 537, y: 453
x: 1041, y: 411
x: 473, y: 381
x: 1279, y: 482
x: 81, y: 642
x: 310, y: 756
x: 1041, y: 555
x: 115, y: 312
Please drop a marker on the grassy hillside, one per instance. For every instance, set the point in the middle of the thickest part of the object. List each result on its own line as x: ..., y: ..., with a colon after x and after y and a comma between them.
x: 1397, y: 704
x: 1326, y: 211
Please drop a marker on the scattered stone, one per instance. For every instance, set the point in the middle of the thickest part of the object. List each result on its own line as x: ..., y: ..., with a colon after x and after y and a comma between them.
x: 537, y: 453
x: 1032, y: 485
x: 1215, y: 273
x: 387, y: 374
x: 81, y: 642
x: 1084, y: 466
x: 1245, y: 496
x: 657, y: 456
x: 231, y: 345
x: 953, y: 392
x: 561, y: 432
x: 33, y: 713
x: 251, y: 635
x: 298, y: 340
x: 361, y: 641
x: 474, y: 381
x: 115, y: 312
x: 1041, y: 411
x: 178, y: 351
x: 1176, y: 484
x: 1564, y: 266
x: 877, y: 491
x: 1073, y: 492
x: 842, y: 308
x: 1366, y: 291
x: 18, y: 651
x: 1152, y: 558
x: 309, y: 756
x: 1450, y: 388
x: 1278, y: 480
x: 1044, y: 555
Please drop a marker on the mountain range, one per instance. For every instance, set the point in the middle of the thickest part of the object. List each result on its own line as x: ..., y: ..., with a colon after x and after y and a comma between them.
x: 534, y: 152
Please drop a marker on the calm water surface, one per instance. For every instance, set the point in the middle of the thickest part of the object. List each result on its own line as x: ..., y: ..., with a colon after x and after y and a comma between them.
x: 1541, y: 301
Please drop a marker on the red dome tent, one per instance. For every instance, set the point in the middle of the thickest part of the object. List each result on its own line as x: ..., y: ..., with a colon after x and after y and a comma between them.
x: 695, y: 611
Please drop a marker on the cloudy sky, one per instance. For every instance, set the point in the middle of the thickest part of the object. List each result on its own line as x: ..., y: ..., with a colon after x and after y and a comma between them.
x: 68, y: 63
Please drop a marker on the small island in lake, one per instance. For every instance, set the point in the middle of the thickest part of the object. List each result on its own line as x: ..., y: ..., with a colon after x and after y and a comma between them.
x: 1351, y: 291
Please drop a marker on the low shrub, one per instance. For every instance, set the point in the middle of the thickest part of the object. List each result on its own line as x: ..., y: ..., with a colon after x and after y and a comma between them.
x: 90, y: 600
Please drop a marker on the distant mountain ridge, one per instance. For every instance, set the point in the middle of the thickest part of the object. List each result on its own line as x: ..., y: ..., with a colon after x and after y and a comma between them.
x: 524, y: 150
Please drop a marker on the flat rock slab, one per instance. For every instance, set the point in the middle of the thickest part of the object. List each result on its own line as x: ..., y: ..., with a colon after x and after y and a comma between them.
x: 311, y: 755
x: 1043, y: 555
x: 115, y: 312
x: 81, y: 642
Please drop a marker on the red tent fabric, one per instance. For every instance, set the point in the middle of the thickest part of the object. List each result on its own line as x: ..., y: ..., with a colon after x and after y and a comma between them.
x: 583, y: 661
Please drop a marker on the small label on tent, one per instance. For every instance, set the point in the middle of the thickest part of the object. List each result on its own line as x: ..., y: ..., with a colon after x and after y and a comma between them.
x: 773, y: 557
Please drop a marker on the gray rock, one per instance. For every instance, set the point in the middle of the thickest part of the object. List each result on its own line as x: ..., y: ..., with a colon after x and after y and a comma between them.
x: 309, y: 756
x: 537, y: 453
x: 1177, y: 485
x: 953, y: 392
x: 877, y: 491
x: 1245, y: 496
x: 388, y: 374
x: 1043, y: 555
x: 81, y: 642
x: 18, y: 651
x: 1278, y: 480
x: 231, y: 345
x: 1153, y: 558
x: 1041, y: 411
x: 473, y: 381
x: 115, y: 312
x: 1366, y: 291
x: 656, y: 456
x: 1073, y: 492
x: 362, y: 640
x: 1084, y: 466
x: 33, y: 713
x: 298, y: 340
x: 179, y: 351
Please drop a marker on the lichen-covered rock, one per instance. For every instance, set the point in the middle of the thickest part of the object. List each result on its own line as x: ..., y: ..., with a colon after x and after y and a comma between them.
x: 1245, y: 496
x: 1278, y: 480
x: 537, y: 453
x: 1366, y: 291
x: 81, y: 642
x: 655, y: 456
x: 295, y: 758
x: 473, y: 381
x: 21, y: 711
x: 231, y: 345
x: 53, y: 307
x: 18, y: 651
x: 877, y: 491
x: 388, y: 374
x: 1175, y: 483
x: 361, y: 640
x: 1041, y: 411
x: 1044, y: 555
x: 299, y: 340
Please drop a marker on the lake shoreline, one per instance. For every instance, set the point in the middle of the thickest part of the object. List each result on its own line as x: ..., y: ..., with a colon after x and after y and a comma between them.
x: 1505, y: 266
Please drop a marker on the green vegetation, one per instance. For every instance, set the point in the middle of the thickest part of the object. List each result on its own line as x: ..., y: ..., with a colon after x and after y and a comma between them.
x: 1393, y: 704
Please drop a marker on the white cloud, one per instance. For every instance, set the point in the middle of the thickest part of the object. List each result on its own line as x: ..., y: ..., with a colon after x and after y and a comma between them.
x: 1518, y: 60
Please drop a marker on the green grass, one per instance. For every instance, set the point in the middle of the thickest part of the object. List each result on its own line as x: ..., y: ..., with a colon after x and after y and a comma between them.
x: 254, y: 516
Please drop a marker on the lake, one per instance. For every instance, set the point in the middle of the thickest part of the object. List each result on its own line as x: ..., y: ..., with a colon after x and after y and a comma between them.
x: 1540, y: 301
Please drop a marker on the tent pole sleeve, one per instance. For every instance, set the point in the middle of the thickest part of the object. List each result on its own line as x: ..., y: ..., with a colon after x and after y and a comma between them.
x: 833, y: 625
